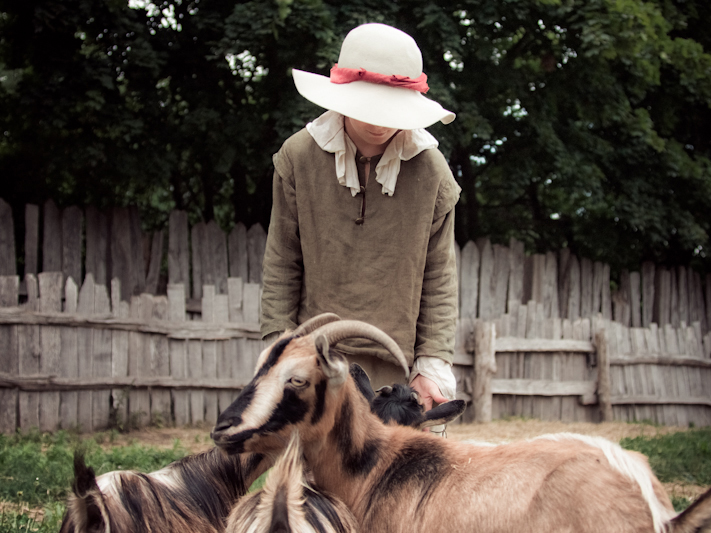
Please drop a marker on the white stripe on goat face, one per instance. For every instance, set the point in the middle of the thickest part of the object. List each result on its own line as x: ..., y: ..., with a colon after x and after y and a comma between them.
x: 270, y: 391
x: 279, y: 396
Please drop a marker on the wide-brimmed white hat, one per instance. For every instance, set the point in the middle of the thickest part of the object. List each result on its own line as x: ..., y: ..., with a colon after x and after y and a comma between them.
x: 378, y: 79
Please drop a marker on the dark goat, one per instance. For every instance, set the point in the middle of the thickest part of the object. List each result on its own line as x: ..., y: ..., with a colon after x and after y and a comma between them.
x: 400, y: 404
x: 195, y: 493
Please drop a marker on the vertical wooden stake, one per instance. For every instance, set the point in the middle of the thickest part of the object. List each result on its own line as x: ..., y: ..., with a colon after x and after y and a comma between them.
x: 484, y: 368
x: 603, y: 376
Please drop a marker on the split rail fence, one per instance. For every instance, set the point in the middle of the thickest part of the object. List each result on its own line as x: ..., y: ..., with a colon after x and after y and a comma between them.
x: 164, y: 327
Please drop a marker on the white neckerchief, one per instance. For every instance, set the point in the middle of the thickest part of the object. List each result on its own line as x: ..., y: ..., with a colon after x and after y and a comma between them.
x: 329, y: 133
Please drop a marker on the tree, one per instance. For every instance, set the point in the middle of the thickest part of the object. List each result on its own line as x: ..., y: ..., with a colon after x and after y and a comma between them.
x: 580, y: 123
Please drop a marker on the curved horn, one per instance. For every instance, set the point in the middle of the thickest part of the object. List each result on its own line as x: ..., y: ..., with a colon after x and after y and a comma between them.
x: 335, y: 332
x: 387, y: 389
x: 314, y: 323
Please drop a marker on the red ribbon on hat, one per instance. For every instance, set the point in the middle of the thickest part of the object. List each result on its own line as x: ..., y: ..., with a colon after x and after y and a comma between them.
x: 347, y: 75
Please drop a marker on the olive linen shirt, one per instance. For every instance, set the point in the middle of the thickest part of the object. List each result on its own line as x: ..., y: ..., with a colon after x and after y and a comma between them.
x: 396, y: 270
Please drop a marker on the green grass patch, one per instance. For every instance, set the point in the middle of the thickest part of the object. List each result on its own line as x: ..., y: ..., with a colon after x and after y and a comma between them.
x: 684, y: 456
x: 38, y: 468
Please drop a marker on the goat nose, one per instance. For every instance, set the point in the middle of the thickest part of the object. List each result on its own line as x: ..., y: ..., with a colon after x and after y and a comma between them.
x: 221, y: 426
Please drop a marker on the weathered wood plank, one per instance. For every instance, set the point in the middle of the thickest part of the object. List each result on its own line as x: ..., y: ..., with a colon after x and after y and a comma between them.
x: 119, y: 358
x: 486, y: 275
x: 160, y: 365
x: 573, y: 283
x: 500, y: 280
x: 217, y: 248
x: 187, y: 330
x: 604, y: 386
x: 550, y: 287
x: 542, y: 387
x: 516, y: 265
x: 586, y: 287
x: 648, y: 270
x: 662, y: 296
x: 684, y: 300
x: 8, y: 265
x: 10, y: 365
x: 197, y: 401
x: 50, y: 291
x: 469, y: 281
x: 621, y: 300
x: 153, y: 276
x: 139, y: 407
x: 237, y: 252
x: 513, y: 344
x: 178, y: 354
x: 51, y: 238
x: 44, y: 383
x: 484, y: 368
x: 256, y: 244
x: 121, y: 252
x: 199, y: 277
x: 31, y: 238
x: 101, y: 361
x: 97, y: 245
x: 85, y: 343
x: 69, y: 359
x: 178, y: 250
x: 209, y: 355
x: 72, y: 232
x: 635, y: 300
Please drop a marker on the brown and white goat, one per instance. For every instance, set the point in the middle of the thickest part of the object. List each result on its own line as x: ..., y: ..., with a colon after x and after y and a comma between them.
x: 397, y: 479
x: 288, y: 503
x: 195, y: 493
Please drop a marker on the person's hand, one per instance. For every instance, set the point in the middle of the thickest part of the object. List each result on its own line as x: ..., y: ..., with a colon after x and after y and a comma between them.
x: 428, y: 390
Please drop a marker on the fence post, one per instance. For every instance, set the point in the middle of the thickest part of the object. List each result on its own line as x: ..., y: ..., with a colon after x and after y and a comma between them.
x: 603, y: 375
x: 484, y: 368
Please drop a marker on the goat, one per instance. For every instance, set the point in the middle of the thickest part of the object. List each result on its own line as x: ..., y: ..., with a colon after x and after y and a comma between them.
x: 195, y: 493
x: 287, y: 503
x: 394, y: 478
x: 401, y: 404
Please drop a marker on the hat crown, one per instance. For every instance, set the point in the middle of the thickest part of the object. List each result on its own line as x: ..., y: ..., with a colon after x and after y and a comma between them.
x: 382, y: 49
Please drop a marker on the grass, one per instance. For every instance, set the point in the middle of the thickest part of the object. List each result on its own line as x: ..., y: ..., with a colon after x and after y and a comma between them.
x: 683, y: 457
x: 36, y: 470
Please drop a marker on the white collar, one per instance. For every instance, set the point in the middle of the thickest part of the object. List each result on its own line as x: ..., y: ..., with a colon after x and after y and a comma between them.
x: 329, y: 133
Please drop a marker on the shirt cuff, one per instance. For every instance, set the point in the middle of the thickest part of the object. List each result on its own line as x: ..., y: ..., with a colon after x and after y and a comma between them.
x: 439, y: 371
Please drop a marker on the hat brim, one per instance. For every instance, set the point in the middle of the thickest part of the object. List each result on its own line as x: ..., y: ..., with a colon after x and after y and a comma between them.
x: 380, y: 105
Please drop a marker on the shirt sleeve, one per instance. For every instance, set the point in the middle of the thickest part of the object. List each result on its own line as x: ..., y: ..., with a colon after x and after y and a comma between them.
x: 283, y: 261
x: 437, y: 321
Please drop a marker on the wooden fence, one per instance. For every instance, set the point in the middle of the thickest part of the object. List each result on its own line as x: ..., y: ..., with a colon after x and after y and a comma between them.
x: 587, y: 370
x: 99, y: 361
x: 140, y: 342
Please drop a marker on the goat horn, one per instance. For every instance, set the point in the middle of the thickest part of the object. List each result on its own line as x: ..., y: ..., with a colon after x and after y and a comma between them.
x: 314, y: 323
x: 335, y: 332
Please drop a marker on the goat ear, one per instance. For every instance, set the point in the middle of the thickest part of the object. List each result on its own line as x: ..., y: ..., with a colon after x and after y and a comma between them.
x: 362, y: 381
x: 443, y: 413
x: 87, y: 505
x: 334, y: 365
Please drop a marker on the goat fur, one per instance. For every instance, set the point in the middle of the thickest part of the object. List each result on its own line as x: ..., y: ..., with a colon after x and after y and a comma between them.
x: 397, y: 479
x: 288, y: 503
x: 195, y: 493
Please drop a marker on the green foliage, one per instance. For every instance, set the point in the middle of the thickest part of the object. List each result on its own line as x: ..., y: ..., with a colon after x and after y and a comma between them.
x: 580, y: 123
x: 684, y: 456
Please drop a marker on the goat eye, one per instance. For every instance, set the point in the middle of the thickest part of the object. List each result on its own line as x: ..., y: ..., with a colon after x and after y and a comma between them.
x: 298, y: 382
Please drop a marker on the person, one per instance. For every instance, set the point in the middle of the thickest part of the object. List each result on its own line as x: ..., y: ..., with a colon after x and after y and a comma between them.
x: 362, y: 220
